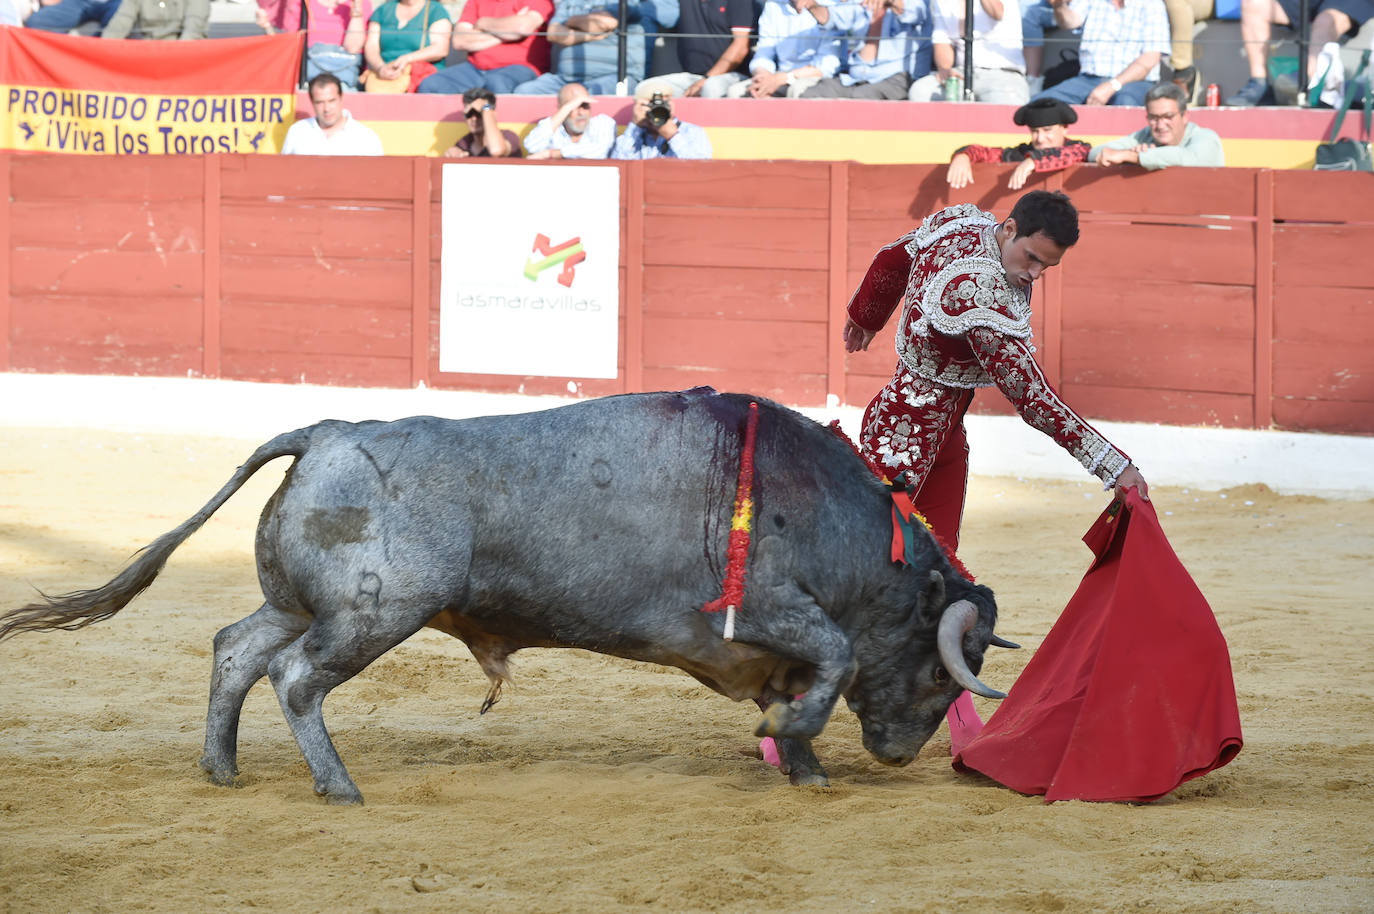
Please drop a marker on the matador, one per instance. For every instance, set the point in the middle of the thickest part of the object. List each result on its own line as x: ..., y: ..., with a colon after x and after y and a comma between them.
x: 966, y: 280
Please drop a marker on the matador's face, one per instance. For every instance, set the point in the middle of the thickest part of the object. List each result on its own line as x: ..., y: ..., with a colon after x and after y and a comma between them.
x: 1025, y: 258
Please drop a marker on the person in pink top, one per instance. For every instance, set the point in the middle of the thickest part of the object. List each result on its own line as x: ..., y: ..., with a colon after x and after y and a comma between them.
x: 335, y: 33
x: 503, y: 44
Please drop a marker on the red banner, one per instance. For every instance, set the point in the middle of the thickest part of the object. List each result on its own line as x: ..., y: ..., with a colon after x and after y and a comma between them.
x: 78, y: 94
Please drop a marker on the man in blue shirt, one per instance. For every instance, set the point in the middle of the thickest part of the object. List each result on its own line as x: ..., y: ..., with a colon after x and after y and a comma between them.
x: 585, y: 46
x: 799, y: 45
x: 894, y: 51
x: 65, y: 15
x: 656, y: 133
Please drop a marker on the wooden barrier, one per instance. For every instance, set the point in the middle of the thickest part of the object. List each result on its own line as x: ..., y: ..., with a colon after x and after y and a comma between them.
x: 1234, y: 297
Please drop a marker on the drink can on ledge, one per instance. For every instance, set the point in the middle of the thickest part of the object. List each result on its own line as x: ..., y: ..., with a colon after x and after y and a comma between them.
x: 1213, y: 95
x: 954, y: 89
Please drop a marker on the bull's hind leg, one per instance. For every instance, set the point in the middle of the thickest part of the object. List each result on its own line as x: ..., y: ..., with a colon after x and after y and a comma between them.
x: 242, y: 652
x: 333, y: 650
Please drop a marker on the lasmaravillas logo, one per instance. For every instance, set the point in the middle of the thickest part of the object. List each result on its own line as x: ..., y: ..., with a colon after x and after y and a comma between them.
x: 570, y: 253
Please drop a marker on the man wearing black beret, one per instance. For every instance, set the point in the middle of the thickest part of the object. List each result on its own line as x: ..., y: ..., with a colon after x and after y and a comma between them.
x: 1048, y: 150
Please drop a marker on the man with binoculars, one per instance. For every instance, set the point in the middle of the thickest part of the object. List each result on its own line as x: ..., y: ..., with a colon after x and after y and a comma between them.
x: 654, y: 132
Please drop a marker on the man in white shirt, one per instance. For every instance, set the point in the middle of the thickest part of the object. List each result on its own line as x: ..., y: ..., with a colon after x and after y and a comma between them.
x: 572, y: 132
x: 999, y: 63
x: 332, y: 131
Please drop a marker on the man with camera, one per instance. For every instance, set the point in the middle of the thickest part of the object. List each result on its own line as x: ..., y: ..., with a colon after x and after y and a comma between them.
x: 654, y: 131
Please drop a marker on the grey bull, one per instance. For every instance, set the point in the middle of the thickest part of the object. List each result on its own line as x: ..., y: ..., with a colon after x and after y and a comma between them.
x: 603, y: 526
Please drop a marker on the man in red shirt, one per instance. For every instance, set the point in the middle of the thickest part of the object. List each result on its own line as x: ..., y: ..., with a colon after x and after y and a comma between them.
x: 503, y: 46
x: 1049, y: 148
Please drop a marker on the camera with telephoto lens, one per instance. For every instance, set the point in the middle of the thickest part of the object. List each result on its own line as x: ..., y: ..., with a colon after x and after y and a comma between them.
x: 659, y: 110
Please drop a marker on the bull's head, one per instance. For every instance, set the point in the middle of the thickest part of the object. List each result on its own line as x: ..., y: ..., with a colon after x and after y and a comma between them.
x: 909, y: 676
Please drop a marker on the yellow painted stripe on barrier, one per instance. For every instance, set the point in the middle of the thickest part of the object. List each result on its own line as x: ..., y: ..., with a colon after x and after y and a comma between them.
x: 873, y: 147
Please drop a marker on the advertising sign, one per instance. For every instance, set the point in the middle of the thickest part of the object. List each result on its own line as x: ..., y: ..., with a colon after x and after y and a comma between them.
x: 530, y: 270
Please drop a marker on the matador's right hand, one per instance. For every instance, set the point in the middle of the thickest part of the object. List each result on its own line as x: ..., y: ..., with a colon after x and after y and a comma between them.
x: 856, y: 337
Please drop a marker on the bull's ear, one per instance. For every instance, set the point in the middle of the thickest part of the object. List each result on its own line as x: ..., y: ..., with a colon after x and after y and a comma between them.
x: 933, y: 597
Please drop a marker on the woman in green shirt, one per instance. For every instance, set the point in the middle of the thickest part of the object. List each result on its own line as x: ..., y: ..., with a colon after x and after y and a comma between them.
x: 406, y: 32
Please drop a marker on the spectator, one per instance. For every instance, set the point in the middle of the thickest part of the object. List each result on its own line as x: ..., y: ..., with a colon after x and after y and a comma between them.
x: 572, y: 132
x: 160, y: 20
x: 64, y: 15
x: 485, y: 139
x: 1183, y: 16
x: 999, y: 66
x: 405, y: 39
x: 1168, y: 139
x: 585, y: 49
x: 336, y: 31
x: 502, y: 43
x: 655, y: 132
x: 1049, y: 148
x: 713, y: 48
x: 798, y: 46
x: 894, y: 51
x: 1331, y: 19
x: 1118, y: 57
x: 1036, y: 16
x: 332, y: 131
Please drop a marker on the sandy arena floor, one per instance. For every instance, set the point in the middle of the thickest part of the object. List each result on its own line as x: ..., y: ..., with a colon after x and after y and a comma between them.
x: 600, y: 785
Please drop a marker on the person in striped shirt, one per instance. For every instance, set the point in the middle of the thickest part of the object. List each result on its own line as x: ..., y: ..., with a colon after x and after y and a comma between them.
x: 1119, y: 53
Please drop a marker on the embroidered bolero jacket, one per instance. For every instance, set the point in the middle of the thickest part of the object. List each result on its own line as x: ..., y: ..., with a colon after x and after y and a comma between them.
x: 965, y: 325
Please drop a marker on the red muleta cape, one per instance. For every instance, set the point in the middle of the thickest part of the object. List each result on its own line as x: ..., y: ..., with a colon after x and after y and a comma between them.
x: 1131, y: 693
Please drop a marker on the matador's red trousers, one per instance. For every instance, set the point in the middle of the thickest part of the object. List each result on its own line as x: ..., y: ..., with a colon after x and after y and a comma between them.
x: 941, y: 498
x: 925, y: 439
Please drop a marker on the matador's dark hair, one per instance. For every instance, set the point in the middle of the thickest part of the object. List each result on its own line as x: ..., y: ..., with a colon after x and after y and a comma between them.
x: 1046, y: 211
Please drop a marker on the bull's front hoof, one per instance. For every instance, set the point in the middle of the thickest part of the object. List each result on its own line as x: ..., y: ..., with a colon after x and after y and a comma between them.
x: 805, y: 777
x: 220, y: 774
x: 774, y: 721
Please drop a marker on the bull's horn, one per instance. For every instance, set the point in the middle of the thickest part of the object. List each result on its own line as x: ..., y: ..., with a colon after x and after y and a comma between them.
x: 1003, y: 642
x: 956, y: 621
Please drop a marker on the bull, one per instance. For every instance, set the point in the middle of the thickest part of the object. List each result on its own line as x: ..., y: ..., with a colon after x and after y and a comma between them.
x: 600, y: 525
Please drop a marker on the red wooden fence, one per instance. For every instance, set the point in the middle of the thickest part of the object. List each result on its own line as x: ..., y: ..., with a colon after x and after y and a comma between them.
x: 1235, y: 297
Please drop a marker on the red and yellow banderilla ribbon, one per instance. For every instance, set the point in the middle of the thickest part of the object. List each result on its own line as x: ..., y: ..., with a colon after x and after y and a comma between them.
x: 741, y: 523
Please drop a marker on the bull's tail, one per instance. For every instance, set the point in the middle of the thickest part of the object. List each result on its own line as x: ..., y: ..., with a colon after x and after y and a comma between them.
x: 80, y: 608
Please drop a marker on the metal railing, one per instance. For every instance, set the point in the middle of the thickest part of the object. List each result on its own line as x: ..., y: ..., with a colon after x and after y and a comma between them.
x: 623, y: 35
